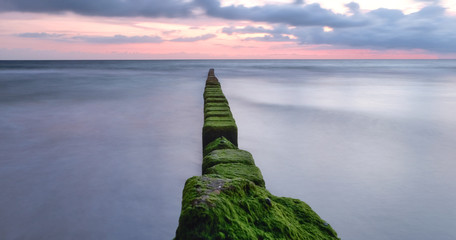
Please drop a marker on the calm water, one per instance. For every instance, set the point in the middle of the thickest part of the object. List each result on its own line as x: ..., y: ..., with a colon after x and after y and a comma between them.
x: 101, y: 149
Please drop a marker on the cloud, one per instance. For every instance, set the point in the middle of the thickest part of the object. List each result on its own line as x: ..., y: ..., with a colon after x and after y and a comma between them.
x: 193, y: 39
x: 119, y: 39
x: 428, y: 29
x: 116, y: 39
x: 272, y: 38
x: 353, y: 7
x: 41, y: 35
x: 123, y: 8
x: 273, y: 35
x: 279, y: 29
x: 292, y: 14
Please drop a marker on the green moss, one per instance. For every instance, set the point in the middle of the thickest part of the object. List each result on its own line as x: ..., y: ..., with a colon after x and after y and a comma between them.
x: 212, y: 89
x: 215, y: 129
x: 225, y: 113
x: 237, y: 170
x: 212, y: 83
x: 215, y: 100
x: 227, y: 156
x: 219, y: 143
x: 230, y: 201
x: 219, y: 208
x: 216, y: 107
x: 220, y: 118
x: 215, y: 92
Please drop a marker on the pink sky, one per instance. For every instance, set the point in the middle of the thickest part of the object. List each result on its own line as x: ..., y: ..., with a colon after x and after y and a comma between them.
x: 42, y: 34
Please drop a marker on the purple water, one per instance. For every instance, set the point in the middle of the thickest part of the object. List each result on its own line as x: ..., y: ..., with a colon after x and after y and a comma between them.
x: 102, y: 149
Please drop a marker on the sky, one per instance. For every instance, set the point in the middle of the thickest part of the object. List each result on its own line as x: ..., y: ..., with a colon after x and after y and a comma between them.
x: 227, y: 29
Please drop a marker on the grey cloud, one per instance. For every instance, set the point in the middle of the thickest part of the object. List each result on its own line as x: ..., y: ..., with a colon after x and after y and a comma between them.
x: 292, y: 14
x: 125, y: 8
x: 353, y: 7
x: 193, y: 39
x: 41, y: 35
x: 119, y: 39
x: 250, y: 29
x: 273, y: 35
x: 116, y: 39
x: 429, y: 29
x: 272, y: 38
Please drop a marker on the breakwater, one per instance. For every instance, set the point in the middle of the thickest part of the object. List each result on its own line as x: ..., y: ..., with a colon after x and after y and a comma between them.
x: 230, y: 200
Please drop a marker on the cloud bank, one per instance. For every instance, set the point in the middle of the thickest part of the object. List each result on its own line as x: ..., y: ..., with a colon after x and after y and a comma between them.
x: 428, y: 29
x: 116, y: 39
x: 108, y: 8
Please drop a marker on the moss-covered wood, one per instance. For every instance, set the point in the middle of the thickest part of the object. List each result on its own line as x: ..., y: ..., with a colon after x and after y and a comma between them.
x: 218, y: 120
x: 227, y: 156
x: 218, y: 128
x: 214, y: 207
x: 237, y: 170
x: 230, y: 201
x: 219, y: 143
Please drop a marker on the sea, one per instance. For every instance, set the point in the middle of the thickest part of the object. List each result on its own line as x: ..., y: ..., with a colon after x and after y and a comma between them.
x: 102, y: 149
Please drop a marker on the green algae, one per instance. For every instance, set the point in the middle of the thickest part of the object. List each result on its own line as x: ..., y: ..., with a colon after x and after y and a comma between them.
x: 215, y: 129
x: 224, y: 113
x: 237, y: 170
x: 230, y: 201
x: 212, y: 83
x: 216, y: 107
x: 214, y: 94
x: 227, y: 118
x: 227, y: 156
x: 215, y: 100
x: 219, y: 208
x: 217, y: 93
x: 219, y: 143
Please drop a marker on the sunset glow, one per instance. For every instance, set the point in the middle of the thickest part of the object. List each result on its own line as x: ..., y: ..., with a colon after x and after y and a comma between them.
x: 204, y: 29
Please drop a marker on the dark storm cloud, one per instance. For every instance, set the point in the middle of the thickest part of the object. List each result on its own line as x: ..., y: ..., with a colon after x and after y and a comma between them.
x: 292, y: 14
x: 125, y: 8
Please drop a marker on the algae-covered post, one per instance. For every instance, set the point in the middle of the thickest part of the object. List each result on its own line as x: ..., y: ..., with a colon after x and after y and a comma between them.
x: 218, y: 120
x: 229, y: 200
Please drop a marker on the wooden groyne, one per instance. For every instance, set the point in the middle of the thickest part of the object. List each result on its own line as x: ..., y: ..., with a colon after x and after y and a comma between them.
x: 230, y: 200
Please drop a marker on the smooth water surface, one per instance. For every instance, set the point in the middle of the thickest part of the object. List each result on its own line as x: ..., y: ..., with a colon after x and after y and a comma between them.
x: 102, y: 149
